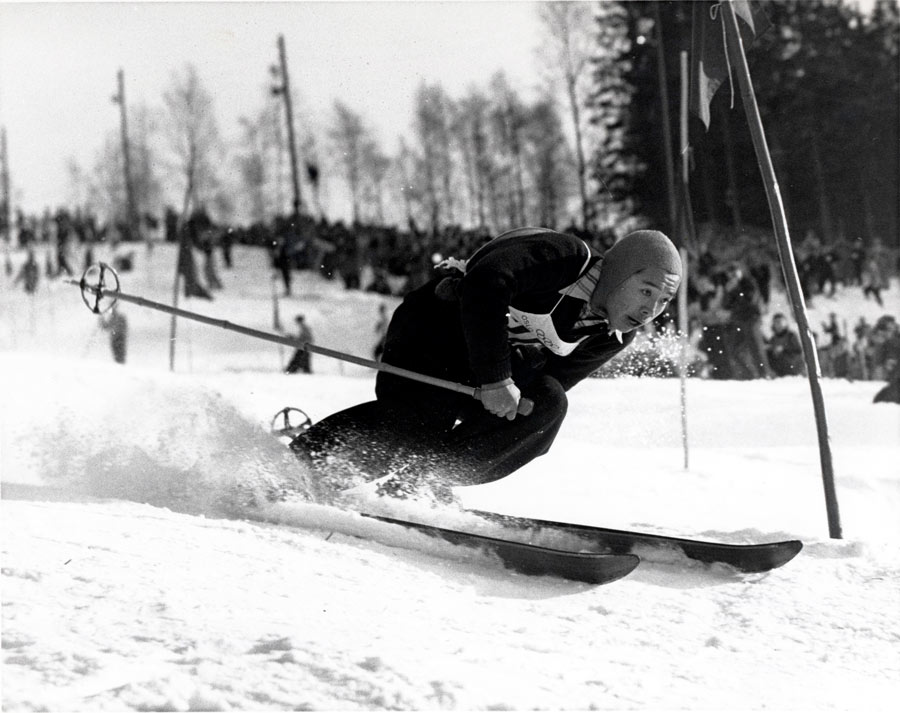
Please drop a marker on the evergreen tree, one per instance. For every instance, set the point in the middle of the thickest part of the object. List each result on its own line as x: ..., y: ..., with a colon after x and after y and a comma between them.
x: 615, y: 164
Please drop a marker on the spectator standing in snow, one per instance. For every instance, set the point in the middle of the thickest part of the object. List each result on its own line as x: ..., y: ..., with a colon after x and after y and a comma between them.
x: 783, y: 348
x: 744, y: 342
x: 885, y: 342
x: 873, y: 281
x: 29, y: 274
x: 63, y: 236
x: 714, y: 329
x: 381, y: 327
x: 301, y: 360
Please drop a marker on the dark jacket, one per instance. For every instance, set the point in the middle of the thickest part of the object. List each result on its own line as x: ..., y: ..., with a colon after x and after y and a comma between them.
x: 785, y: 353
x: 455, y: 326
x: 743, y: 301
x: 526, y: 269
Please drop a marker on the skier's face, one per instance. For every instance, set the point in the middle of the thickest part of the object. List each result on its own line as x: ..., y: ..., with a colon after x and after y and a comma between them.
x: 640, y: 299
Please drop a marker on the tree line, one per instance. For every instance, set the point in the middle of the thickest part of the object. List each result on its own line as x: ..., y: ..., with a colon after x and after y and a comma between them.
x: 586, y: 147
x: 827, y: 82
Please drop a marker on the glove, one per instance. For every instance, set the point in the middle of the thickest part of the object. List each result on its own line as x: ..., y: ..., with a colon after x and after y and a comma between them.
x: 501, y: 398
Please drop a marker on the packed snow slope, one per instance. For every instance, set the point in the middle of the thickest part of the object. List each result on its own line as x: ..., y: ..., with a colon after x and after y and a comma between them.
x: 143, y: 570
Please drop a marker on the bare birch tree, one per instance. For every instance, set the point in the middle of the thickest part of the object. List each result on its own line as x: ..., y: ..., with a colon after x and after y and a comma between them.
x: 469, y: 128
x: 252, y: 165
x: 432, y: 126
x: 350, y: 137
x: 509, y: 118
x: 549, y: 161
x: 146, y: 182
x: 193, y: 135
x: 375, y: 168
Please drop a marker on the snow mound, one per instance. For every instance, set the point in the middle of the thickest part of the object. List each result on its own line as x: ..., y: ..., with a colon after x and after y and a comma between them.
x: 149, y: 438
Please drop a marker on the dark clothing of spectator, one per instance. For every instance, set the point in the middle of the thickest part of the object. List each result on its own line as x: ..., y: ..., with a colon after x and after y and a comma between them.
x: 301, y: 360
x: 891, y: 392
x: 743, y: 340
x: 187, y: 268
x: 785, y: 353
x: 381, y: 327
x: 29, y: 274
x: 873, y: 280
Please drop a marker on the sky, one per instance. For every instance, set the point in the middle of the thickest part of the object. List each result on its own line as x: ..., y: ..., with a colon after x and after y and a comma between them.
x: 59, y: 62
x: 127, y: 588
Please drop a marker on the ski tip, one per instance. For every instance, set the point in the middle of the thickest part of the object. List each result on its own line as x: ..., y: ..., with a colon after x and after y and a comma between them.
x: 626, y: 564
x: 771, y: 556
x: 790, y: 550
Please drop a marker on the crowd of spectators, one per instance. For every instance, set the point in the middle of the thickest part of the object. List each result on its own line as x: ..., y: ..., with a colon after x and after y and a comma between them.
x: 735, y: 334
x: 731, y: 290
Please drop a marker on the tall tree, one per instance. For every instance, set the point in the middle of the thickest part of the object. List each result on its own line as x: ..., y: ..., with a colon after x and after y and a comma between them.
x: 569, y: 45
x: 432, y: 124
x: 470, y: 130
x: 411, y: 193
x: 146, y: 183
x: 509, y: 118
x: 615, y: 163
x: 193, y: 135
x: 550, y: 162
x: 106, y: 187
x: 252, y: 164
x: 375, y: 166
x: 350, y: 138
x: 827, y: 86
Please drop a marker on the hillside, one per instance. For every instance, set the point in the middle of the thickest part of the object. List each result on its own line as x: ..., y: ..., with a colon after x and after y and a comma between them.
x: 138, y: 574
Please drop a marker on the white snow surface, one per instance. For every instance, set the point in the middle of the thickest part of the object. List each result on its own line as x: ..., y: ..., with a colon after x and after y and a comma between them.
x: 137, y: 575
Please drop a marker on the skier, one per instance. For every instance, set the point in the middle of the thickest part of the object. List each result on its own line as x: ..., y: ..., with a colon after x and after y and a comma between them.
x: 529, y: 315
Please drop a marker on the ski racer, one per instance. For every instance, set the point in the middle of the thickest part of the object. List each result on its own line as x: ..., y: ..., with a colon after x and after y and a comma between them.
x: 528, y: 316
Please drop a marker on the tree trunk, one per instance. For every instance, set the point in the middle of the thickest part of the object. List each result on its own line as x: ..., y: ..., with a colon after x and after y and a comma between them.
x: 734, y: 192
x: 824, y: 210
x: 586, y: 213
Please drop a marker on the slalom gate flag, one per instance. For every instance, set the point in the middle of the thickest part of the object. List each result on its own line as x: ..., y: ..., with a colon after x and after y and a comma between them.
x: 709, y: 59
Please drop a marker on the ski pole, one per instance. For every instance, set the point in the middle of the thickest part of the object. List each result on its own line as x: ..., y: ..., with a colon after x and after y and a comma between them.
x: 98, y: 290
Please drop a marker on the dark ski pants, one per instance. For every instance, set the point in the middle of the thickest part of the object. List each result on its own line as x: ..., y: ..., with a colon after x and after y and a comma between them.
x: 423, y: 429
x: 456, y: 439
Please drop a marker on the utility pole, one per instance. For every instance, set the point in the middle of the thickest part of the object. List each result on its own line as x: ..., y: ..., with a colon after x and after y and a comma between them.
x: 132, y: 218
x: 5, y: 216
x: 285, y: 91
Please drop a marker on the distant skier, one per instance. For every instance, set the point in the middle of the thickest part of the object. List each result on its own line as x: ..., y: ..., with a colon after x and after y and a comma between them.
x: 531, y: 314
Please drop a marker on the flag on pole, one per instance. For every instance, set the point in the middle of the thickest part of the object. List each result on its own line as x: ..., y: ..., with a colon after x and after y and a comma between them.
x: 709, y: 58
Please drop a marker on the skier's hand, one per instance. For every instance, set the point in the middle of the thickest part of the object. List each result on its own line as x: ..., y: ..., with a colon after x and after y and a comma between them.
x: 501, y: 398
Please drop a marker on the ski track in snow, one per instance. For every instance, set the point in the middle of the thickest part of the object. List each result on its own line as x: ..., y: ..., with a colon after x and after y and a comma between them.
x: 141, y: 570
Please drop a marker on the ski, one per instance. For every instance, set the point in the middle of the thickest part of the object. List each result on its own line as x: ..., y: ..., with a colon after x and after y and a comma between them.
x: 590, y: 567
x: 760, y: 557
x: 587, y: 566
